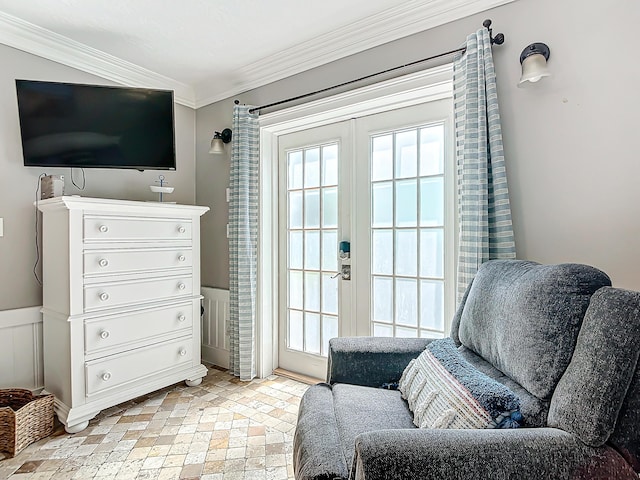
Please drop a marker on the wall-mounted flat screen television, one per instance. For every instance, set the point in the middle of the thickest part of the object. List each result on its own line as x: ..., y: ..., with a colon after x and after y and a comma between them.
x: 91, y: 126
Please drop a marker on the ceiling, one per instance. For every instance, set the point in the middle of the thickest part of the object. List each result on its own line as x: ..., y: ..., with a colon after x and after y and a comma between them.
x: 208, y: 50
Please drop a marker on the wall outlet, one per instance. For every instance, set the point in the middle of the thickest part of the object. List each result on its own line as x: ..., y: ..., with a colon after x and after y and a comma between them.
x: 1, y: 227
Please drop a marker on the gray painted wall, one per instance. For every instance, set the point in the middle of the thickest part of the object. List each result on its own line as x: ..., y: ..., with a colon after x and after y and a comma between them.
x: 573, y: 166
x: 18, y: 287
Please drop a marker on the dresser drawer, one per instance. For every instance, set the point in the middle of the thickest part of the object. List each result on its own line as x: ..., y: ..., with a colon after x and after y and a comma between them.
x: 112, y: 332
x: 107, y: 228
x: 108, y: 295
x: 135, y: 365
x: 98, y: 262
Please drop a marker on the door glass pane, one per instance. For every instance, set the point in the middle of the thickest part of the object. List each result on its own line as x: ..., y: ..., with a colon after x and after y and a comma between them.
x: 382, y: 158
x: 382, y: 262
x: 431, y: 334
x: 311, y: 209
x: 295, y: 289
x: 406, y: 160
x: 432, y: 202
x: 329, y: 331
x: 296, y: 332
x: 406, y: 302
x: 432, y: 150
x: 312, y: 246
x: 330, y: 165
x: 380, y: 330
x: 295, y: 249
x: 329, y: 294
x: 432, y: 253
x: 406, y: 252
x: 312, y: 250
x: 311, y: 167
x: 295, y: 170
x: 432, y: 304
x: 312, y: 291
x: 383, y: 299
x: 382, y: 195
x: 312, y: 332
x: 406, y: 204
x: 295, y: 209
x: 403, y: 332
x: 330, y: 207
x: 330, y: 250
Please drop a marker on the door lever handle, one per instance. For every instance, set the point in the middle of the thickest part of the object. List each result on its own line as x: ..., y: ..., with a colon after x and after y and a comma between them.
x: 344, y: 273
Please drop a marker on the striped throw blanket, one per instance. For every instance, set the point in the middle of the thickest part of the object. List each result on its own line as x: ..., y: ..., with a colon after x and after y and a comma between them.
x: 445, y: 391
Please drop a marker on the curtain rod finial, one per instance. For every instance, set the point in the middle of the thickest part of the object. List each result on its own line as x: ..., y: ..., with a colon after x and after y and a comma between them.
x: 498, y: 39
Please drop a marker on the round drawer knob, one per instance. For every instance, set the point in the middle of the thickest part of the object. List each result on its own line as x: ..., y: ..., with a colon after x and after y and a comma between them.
x: 104, y: 334
x: 103, y: 262
x: 103, y: 228
x: 181, y: 229
x: 104, y: 296
x: 181, y: 318
x: 106, y: 376
x: 181, y: 258
x: 183, y: 352
x: 182, y: 286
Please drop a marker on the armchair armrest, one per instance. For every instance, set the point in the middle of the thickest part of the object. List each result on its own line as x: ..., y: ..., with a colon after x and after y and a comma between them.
x: 525, y: 454
x: 371, y: 361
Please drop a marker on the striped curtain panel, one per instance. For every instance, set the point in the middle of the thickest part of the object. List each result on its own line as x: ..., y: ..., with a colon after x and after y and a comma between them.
x: 243, y: 242
x: 484, y: 212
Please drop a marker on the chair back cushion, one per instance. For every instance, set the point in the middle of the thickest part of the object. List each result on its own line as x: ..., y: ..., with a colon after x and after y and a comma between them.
x: 590, y: 395
x: 524, y: 318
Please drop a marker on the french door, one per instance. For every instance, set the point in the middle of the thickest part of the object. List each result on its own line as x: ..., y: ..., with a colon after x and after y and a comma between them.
x: 383, y: 183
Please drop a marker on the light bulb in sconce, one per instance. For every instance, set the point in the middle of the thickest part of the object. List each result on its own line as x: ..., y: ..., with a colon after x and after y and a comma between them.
x: 218, y: 141
x: 534, y: 63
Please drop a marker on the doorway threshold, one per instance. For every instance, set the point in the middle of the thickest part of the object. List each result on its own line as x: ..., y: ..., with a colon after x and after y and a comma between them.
x: 297, y: 376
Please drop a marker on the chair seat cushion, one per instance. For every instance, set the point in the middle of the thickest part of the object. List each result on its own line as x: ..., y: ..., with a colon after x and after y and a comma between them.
x: 331, y: 417
x: 365, y: 409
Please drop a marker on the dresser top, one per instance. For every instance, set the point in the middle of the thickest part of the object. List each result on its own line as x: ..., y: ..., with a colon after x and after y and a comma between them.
x: 76, y: 202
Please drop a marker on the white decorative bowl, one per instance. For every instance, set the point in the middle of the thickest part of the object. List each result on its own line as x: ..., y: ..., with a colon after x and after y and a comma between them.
x: 157, y: 189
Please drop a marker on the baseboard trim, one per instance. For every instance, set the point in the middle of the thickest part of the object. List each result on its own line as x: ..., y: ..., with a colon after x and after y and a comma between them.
x: 297, y: 376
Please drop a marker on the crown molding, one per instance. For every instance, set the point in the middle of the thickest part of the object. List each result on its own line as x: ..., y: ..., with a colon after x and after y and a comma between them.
x: 405, y: 19
x: 44, y: 43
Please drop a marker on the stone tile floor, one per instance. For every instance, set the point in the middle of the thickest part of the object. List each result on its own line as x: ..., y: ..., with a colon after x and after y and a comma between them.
x: 223, y: 429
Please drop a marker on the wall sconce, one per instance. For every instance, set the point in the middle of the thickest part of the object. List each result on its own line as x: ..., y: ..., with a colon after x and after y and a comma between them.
x: 218, y: 141
x: 534, y: 63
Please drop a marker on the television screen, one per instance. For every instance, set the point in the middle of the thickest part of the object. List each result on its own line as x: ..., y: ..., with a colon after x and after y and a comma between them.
x: 70, y: 125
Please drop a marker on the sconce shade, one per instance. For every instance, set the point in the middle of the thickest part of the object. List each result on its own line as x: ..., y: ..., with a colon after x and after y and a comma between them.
x: 218, y: 141
x: 534, y: 63
x: 216, y: 146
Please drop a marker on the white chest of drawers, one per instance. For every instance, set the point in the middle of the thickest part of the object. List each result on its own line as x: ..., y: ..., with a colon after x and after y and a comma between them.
x: 121, y: 301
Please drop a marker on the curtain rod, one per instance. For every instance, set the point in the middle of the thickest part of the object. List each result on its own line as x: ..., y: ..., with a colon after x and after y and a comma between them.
x: 498, y: 40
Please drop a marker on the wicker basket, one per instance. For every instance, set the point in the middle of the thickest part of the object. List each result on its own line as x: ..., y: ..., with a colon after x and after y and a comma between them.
x: 24, y: 419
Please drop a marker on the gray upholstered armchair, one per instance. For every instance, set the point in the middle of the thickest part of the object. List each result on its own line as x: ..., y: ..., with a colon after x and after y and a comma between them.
x: 558, y: 336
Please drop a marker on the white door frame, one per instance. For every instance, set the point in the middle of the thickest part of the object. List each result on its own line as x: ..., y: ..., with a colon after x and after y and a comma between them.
x: 413, y: 89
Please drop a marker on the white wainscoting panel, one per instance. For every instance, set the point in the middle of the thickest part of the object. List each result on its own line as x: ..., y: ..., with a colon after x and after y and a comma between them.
x: 215, y: 341
x: 21, y: 364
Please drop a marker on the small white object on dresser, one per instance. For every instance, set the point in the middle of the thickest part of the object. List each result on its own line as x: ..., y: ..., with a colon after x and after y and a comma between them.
x: 121, y: 301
